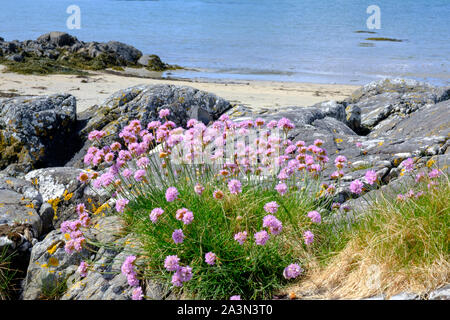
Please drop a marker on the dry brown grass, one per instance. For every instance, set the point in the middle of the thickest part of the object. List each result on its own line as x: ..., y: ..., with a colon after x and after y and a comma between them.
x: 402, y: 247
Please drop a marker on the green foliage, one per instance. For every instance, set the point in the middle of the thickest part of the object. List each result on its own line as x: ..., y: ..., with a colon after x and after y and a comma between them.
x: 7, y: 274
x: 250, y: 270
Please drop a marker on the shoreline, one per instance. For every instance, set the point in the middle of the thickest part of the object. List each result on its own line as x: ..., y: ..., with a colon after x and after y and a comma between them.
x: 94, y: 88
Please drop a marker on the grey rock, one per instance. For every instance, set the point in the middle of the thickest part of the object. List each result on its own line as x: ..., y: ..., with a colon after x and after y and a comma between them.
x: 405, y: 296
x: 58, y: 39
x: 62, y: 183
x: 35, y: 130
x: 15, y: 57
x: 124, y: 51
x: 440, y: 294
x: 50, y: 266
x: 379, y: 297
x: 380, y: 101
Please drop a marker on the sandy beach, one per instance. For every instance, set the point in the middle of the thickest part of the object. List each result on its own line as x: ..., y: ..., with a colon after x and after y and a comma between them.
x: 96, y: 87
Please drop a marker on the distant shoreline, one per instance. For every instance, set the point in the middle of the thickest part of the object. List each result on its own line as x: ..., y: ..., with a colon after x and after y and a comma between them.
x: 94, y: 88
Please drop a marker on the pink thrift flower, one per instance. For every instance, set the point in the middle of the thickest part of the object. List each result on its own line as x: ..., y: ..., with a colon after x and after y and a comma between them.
x: 292, y: 271
x: 95, y: 134
x: 314, y: 216
x: 143, y: 162
x: 132, y: 279
x: 281, y: 188
x: 120, y: 204
x: 137, y: 294
x: 171, y: 263
x: 408, y: 164
x: 234, y: 186
x: 271, y: 207
x: 127, y: 173
x: 178, y: 236
x: 82, y: 269
x: 217, y: 194
x: 285, y: 124
x: 290, y: 149
x: 127, y: 265
x: 318, y: 142
x: 171, y: 194
x: 164, y: 113
x: 261, y: 237
x: 183, y: 274
x: 115, y: 146
x: 81, y: 208
x: 198, y: 188
x: 356, y: 186
x: 275, y: 226
x: 371, y: 177
x: 188, y: 217
x: 139, y: 174
x: 210, y: 258
x: 236, y: 297
x: 240, y: 237
x: 155, y: 214
x: 434, y: 173
x: 420, y: 176
x: 309, y: 237
x: 272, y: 124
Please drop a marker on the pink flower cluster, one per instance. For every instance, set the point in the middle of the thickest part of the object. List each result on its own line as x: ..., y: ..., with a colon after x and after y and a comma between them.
x: 210, y: 258
x: 292, y: 271
x: 184, y: 215
x: 315, y: 216
x: 273, y: 224
x: 73, y: 228
x: 128, y: 270
x: 240, y: 237
x: 182, y: 274
x: 155, y: 214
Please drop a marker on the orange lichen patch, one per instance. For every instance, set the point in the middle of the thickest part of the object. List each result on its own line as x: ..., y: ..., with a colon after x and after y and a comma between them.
x: 53, y: 262
x: 55, y: 246
x: 67, y: 236
x: 54, y: 203
x: 67, y: 196
x: 2, y: 205
x: 338, y: 140
x: 430, y: 163
x: 8, y: 182
x: 30, y: 205
x: 30, y: 213
x: 101, y: 208
x: 380, y: 143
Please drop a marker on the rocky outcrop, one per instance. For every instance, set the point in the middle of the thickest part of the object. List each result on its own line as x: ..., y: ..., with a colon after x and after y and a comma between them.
x: 144, y: 103
x: 417, y: 125
x: 393, y: 99
x: 59, y: 52
x: 60, y: 188
x: 378, y: 127
x: 37, y: 132
x: 49, y: 268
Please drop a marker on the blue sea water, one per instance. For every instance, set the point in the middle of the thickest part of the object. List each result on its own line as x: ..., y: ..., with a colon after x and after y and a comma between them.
x: 285, y: 40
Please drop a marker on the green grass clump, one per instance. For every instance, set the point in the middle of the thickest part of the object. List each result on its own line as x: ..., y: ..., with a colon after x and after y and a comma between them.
x: 250, y: 270
x: 7, y: 274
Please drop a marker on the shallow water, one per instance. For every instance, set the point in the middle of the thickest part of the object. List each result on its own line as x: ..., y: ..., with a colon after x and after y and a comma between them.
x: 285, y: 40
